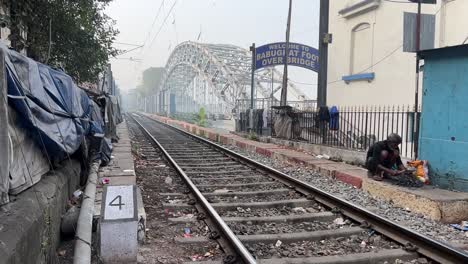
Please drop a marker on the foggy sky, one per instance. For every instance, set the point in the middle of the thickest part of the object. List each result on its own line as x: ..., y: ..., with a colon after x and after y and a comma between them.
x: 237, y: 22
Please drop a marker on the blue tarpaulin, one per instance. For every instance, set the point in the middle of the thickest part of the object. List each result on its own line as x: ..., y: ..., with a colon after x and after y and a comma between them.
x: 49, y: 104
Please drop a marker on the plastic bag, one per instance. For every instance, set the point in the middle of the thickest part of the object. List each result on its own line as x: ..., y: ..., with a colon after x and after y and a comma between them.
x: 422, y: 170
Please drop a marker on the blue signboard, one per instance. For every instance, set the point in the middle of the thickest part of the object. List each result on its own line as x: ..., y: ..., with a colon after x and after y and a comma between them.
x: 299, y: 55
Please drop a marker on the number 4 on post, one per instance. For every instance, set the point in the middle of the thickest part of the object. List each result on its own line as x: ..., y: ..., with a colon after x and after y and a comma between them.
x: 119, y: 204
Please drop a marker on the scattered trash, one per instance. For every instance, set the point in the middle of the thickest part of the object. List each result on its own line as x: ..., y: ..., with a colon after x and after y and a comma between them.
x: 77, y: 194
x: 162, y: 165
x: 105, y: 180
x: 196, y: 257
x: 299, y: 209
x: 62, y: 253
x: 278, y: 243
x: 339, y: 221
x: 168, y: 180
x: 208, y: 254
x: 187, y: 232
x: 222, y: 191
x: 463, y: 226
x: 324, y: 156
x: 187, y: 216
x: 363, y: 244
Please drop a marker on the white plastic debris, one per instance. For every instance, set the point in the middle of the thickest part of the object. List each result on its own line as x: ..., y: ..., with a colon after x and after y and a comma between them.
x: 339, y: 221
x: 168, y: 180
x: 299, y: 209
x: 278, y: 243
x: 221, y: 191
x: 77, y: 194
x: 363, y: 244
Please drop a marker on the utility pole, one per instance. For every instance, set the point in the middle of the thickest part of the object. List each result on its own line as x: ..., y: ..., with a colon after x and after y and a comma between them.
x: 284, y: 90
x: 252, y: 77
x: 416, y: 91
x: 252, y: 87
x: 324, y: 40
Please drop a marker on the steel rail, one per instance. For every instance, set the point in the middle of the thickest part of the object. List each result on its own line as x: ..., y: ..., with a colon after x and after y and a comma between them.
x: 237, y: 245
x: 412, y: 240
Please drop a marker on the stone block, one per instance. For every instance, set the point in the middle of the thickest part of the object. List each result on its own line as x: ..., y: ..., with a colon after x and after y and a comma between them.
x: 119, y: 224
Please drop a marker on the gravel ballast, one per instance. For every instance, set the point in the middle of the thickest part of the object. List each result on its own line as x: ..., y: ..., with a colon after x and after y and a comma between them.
x: 414, y: 221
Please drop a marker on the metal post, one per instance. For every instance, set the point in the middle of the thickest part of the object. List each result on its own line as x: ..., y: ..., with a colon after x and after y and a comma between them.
x: 252, y: 87
x: 284, y: 89
x: 416, y: 89
x: 252, y: 77
x: 272, y: 85
x: 323, y: 53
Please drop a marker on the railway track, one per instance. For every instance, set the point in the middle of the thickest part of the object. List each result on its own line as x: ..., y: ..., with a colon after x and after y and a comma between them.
x: 260, y: 215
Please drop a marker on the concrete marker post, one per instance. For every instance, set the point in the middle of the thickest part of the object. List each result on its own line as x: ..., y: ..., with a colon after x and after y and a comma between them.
x: 119, y: 224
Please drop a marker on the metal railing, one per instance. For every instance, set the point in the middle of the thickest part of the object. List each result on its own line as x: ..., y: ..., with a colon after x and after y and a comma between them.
x: 243, y: 105
x: 355, y: 128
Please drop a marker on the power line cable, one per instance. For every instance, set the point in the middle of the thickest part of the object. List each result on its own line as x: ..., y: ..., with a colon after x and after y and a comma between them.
x: 163, y: 23
x: 153, y: 23
x: 127, y: 44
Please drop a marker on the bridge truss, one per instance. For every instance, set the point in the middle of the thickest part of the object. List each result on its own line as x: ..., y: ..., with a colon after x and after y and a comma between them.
x: 215, y: 76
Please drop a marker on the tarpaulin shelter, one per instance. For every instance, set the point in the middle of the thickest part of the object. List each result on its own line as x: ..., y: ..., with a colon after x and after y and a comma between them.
x: 48, y: 118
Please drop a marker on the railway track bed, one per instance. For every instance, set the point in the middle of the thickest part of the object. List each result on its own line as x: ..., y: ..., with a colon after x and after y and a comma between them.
x: 260, y: 215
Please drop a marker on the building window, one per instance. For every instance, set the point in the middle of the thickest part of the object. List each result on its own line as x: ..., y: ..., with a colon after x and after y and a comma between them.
x: 361, y: 49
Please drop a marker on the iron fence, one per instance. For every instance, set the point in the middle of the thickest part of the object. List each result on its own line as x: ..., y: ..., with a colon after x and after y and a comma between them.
x: 355, y: 128
x: 243, y: 105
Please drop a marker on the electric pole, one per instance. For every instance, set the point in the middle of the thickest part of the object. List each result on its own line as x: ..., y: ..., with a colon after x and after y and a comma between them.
x: 324, y: 40
x: 284, y: 90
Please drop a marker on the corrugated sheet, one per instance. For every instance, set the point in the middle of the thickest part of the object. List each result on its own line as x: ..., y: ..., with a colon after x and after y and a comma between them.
x: 409, y: 32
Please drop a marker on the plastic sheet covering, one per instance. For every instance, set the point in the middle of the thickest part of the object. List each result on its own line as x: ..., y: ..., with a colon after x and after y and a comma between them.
x: 28, y: 163
x: 48, y: 102
x: 283, y: 126
x: 113, y: 117
x: 5, y: 158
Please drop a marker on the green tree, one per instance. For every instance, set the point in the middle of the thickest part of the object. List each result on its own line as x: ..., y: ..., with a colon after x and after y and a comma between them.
x: 151, y: 80
x: 81, y: 34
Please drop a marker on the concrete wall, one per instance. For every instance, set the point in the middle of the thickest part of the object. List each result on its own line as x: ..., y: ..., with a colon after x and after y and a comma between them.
x: 30, y: 228
x: 443, y: 140
x: 378, y: 49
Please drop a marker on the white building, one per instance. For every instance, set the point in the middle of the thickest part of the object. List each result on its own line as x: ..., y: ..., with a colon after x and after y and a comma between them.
x: 367, y: 49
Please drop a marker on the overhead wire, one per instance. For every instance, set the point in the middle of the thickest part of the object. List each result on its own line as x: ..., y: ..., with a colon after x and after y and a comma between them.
x: 163, y: 23
x: 152, y: 24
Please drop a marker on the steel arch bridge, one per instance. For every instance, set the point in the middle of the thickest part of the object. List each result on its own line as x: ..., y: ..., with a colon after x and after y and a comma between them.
x: 215, y: 76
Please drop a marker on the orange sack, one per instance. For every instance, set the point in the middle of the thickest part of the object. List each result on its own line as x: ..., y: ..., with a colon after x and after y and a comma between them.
x: 422, y: 170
